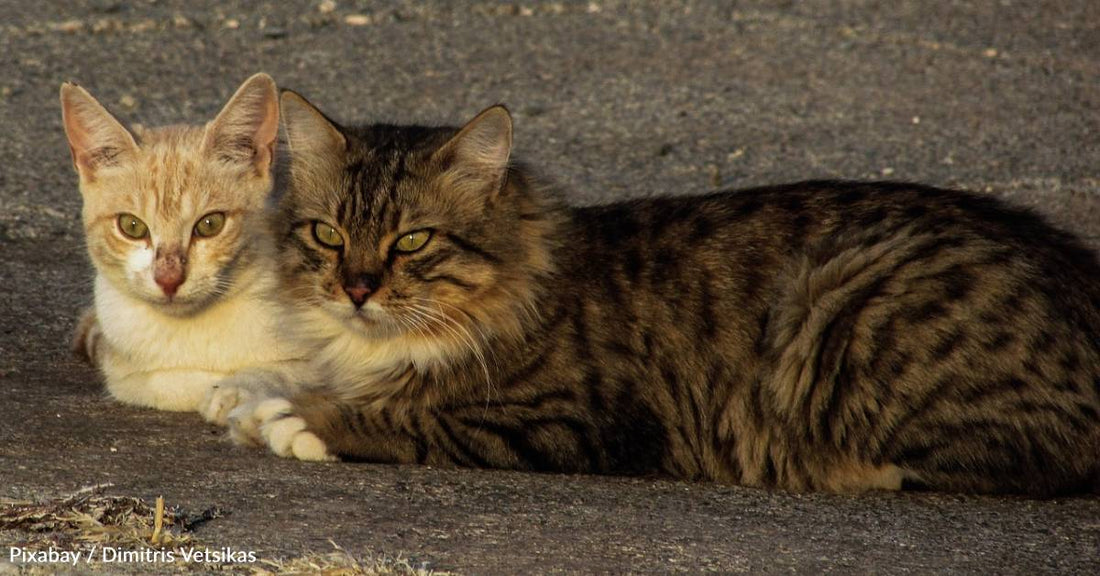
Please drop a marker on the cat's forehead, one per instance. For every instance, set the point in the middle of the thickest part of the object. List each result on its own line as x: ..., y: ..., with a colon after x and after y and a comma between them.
x: 391, y: 139
x: 170, y: 137
x: 386, y: 167
x: 384, y: 151
x: 174, y: 156
x: 169, y: 155
x: 168, y: 177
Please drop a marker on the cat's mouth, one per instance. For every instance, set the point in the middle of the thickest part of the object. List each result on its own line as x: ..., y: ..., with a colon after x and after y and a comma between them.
x: 184, y: 303
x: 371, y: 319
x: 366, y: 318
x: 180, y: 305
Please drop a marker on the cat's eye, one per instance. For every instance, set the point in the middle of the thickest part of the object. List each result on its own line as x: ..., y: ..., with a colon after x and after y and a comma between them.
x: 210, y: 224
x: 132, y: 226
x: 413, y: 241
x: 327, y: 235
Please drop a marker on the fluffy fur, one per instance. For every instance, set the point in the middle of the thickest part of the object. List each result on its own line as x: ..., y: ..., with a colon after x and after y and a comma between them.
x: 176, y: 311
x: 815, y: 336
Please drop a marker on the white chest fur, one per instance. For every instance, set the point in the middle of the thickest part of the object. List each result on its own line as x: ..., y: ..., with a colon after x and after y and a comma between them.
x: 167, y: 362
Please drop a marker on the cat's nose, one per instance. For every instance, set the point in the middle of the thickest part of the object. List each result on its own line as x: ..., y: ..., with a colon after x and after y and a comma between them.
x: 169, y: 280
x: 359, y: 286
x: 358, y: 294
x: 170, y: 270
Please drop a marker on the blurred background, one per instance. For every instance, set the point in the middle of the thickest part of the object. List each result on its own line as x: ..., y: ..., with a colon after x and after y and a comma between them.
x: 612, y: 98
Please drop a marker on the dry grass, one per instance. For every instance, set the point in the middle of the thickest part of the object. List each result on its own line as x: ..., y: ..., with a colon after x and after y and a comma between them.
x: 89, y: 519
x: 340, y: 563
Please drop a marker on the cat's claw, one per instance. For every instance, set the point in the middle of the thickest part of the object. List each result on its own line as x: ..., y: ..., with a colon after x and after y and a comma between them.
x: 272, y: 422
x: 245, y: 420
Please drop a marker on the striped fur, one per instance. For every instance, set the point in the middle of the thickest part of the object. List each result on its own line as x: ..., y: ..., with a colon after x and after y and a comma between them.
x: 815, y: 336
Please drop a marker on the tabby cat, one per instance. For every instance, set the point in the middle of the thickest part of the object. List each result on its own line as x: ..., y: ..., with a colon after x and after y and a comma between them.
x: 830, y: 336
x: 176, y: 227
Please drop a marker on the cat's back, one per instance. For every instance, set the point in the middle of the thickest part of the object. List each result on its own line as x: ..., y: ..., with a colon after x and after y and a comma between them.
x: 932, y: 269
x: 949, y: 334
x: 764, y: 228
x: 951, y: 245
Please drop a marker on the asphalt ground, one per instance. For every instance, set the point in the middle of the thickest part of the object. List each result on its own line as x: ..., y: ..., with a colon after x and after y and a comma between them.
x: 611, y: 99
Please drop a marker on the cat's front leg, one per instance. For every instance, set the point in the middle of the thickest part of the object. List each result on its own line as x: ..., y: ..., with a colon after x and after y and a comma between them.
x: 248, y: 385
x: 273, y: 422
x: 319, y: 424
x: 174, y: 389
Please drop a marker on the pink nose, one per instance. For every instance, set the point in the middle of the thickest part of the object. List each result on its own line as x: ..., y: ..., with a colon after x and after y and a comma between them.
x: 358, y: 294
x: 169, y: 281
x: 170, y: 270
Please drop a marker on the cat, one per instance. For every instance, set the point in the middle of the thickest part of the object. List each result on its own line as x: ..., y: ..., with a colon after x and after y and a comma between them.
x: 176, y: 228
x: 817, y: 336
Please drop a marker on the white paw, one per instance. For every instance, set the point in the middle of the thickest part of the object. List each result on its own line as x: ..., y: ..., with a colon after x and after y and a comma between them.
x: 272, y: 422
x: 287, y: 436
x: 245, y: 420
x: 220, y: 400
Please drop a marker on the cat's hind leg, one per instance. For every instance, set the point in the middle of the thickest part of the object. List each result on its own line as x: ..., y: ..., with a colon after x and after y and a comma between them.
x: 1012, y: 455
x: 857, y: 476
x: 87, y: 337
x: 814, y: 415
x: 899, y: 355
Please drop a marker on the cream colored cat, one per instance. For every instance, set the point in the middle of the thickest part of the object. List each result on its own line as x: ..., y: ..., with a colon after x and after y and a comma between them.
x: 176, y: 227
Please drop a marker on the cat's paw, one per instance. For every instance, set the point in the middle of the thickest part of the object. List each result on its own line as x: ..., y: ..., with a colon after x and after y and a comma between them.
x: 272, y: 422
x: 221, y: 399
x: 87, y: 337
x: 248, y: 386
x: 244, y: 423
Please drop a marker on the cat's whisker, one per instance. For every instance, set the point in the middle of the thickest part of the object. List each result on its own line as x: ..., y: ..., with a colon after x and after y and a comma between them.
x: 455, y: 322
x: 442, y: 321
x: 490, y: 389
x: 473, y: 323
x: 413, y: 321
x: 464, y: 337
x: 428, y: 319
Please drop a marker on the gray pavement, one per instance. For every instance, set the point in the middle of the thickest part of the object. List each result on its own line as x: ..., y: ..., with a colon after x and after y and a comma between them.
x: 612, y: 99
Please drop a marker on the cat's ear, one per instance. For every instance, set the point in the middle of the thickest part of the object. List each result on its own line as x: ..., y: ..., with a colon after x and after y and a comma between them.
x: 96, y: 139
x: 479, y: 153
x: 245, y: 130
x: 310, y: 134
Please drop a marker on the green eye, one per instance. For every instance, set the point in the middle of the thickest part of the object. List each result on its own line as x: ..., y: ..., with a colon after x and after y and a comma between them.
x: 327, y: 235
x: 132, y: 226
x: 413, y: 241
x: 210, y: 224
